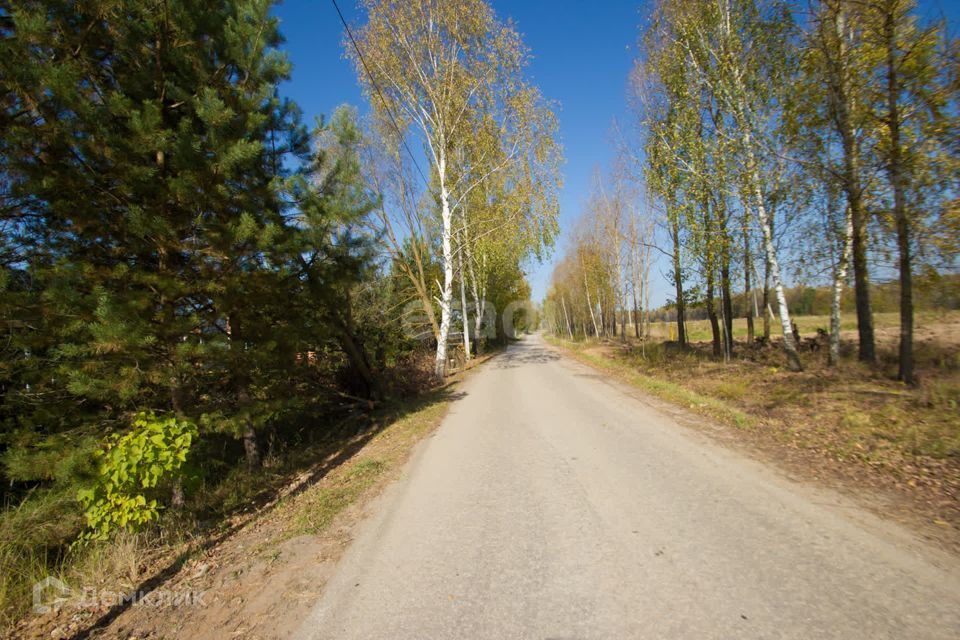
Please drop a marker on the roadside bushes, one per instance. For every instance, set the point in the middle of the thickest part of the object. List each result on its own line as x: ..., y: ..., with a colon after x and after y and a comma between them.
x: 133, y: 466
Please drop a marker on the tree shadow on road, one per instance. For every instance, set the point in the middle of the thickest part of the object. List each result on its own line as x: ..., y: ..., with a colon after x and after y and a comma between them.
x: 523, y: 354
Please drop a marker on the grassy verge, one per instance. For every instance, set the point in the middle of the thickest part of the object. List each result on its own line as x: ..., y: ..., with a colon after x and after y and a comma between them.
x: 404, y: 424
x: 381, y: 458
x: 661, y: 388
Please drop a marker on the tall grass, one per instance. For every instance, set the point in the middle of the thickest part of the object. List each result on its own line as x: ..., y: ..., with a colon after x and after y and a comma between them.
x: 34, y: 535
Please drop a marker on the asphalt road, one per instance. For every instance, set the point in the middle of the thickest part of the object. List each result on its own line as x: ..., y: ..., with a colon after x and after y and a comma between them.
x: 551, y: 504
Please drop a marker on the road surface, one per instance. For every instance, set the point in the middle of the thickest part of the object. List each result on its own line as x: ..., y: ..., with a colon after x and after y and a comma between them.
x: 551, y: 504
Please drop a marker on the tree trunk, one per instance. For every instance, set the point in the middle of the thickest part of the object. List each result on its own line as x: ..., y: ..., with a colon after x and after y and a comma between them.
x: 250, y: 445
x: 726, y: 304
x: 678, y: 283
x: 839, y: 277
x: 906, y: 370
x: 635, y: 271
x: 601, y: 318
x: 476, y: 290
x: 867, y: 346
x: 766, y: 300
x: 566, y: 317
x: 709, y: 259
x: 841, y: 99
x: 621, y: 296
x: 463, y: 307
x: 789, y: 346
x: 446, y: 299
x: 747, y: 288
x: 724, y: 334
x: 712, y: 314
x: 357, y: 355
x: 586, y: 288
x: 176, y: 400
x: 895, y: 169
x: 176, y: 494
x: 241, y: 384
x: 645, y: 298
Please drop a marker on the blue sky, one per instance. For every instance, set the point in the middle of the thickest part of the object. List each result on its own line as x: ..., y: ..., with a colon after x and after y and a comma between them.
x: 582, y: 53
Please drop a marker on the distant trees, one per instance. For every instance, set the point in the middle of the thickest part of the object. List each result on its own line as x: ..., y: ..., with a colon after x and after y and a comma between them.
x: 601, y: 287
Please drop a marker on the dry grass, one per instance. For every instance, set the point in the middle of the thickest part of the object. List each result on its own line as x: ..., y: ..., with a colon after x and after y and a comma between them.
x: 313, y: 510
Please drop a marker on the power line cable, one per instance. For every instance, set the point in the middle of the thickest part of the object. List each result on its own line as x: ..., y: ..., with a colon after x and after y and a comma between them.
x: 386, y: 106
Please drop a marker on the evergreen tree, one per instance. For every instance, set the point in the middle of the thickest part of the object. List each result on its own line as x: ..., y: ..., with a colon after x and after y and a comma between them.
x: 147, y: 215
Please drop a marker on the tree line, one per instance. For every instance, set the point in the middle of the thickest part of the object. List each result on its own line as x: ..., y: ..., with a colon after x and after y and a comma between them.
x: 192, y: 274
x: 777, y: 141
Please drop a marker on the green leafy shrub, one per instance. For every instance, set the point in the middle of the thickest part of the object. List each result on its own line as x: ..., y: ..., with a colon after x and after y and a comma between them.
x: 131, y: 465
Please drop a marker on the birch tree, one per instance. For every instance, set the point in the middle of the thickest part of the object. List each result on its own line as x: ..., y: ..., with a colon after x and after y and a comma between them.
x: 829, y: 127
x: 837, y: 67
x: 662, y: 122
x: 737, y: 49
x: 436, y: 68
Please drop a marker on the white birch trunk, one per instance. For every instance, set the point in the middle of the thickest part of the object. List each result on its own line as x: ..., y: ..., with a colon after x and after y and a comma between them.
x: 793, y: 358
x: 600, y: 322
x: 839, y: 277
x: 586, y: 288
x: 476, y: 291
x: 482, y: 311
x: 621, y: 289
x: 563, y: 301
x: 463, y: 307
x: 446, y: 297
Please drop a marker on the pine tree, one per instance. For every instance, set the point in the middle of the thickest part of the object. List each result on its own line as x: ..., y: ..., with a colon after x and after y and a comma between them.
x: 143, y: 157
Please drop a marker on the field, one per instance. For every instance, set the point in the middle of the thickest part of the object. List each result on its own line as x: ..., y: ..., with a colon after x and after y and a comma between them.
x: 944, y: 325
